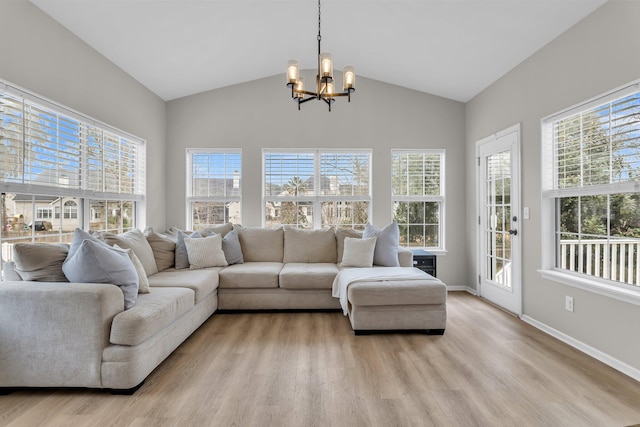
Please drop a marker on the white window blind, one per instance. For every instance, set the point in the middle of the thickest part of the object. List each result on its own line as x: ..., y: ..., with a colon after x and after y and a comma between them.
x: 289, y: 174
x: 44, y: 145
x: 344, y: 174
x: 416, y: 173
x: 317, y: 188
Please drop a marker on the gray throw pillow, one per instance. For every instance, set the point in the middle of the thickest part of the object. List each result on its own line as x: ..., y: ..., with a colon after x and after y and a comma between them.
x: 182, y: 257
x: 231, y: 248
x: 93, y: 261
x: 40, y: 262
x: 388, y: 237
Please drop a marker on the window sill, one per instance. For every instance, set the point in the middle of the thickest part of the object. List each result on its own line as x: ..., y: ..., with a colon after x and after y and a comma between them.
x: 597, y: 287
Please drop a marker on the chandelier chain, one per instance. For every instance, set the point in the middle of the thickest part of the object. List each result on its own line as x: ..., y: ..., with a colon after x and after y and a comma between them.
x: 319, y: 36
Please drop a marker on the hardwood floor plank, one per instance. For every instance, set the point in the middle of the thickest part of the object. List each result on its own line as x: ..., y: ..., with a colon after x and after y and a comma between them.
x: 308, y: 369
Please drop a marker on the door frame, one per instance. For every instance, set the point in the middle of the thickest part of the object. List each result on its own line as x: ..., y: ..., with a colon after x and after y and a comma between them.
x: 517, y: 245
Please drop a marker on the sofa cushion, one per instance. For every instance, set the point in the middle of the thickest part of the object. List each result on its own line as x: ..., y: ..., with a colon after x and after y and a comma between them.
x: 309, y: 245
x: 202, y: 282
x: 341, y: 234
x: 261, y: 244
x: 205, y: 252
x: 400, y: 292
x: 40, y: 262
x: 358, y: 252
x: 93, y: 261
x: 136, y: 241
x: 152, y: 313
x: 164, y: 249
x: 388, y: 237
x: 251, y: 275
x: 308, y: 275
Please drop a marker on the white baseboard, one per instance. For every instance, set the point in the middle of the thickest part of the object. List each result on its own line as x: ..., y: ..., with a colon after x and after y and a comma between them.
x: 587, y: 349
x: 457, y: 288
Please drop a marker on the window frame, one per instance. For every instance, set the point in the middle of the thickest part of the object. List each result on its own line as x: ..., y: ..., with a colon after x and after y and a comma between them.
x: 551, y: 195
x: 317, y: 199
x: 191, y: 199
x: 439, y: 198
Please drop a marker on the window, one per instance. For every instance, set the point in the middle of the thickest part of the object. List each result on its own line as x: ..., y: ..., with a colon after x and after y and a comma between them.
x: 317, y: 189
x: 70, y: 209
x: 53, y: 160
x: 418, y: 197
x: 43, y: 213
x: 591, y: 203
x: 214, y: 187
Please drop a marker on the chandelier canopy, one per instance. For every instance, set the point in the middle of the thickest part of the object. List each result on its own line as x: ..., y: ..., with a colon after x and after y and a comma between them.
x: 325, y: 89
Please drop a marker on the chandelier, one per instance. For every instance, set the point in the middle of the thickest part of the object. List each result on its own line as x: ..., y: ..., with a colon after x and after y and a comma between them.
x: 325, y: 90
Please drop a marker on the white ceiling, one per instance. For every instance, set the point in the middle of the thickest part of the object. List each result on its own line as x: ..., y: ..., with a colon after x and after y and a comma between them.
x: 450, y: 48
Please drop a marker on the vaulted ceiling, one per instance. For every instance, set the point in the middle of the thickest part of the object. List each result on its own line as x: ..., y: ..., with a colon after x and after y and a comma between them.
x: 450, y: 48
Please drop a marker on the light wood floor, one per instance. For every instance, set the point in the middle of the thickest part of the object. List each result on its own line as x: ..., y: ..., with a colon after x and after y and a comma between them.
x: 308, y: 369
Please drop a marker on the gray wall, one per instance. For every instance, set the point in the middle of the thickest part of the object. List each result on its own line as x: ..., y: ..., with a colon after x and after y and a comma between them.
x: 42, y: 56
x: 260, y: 114
x: 598, y: 54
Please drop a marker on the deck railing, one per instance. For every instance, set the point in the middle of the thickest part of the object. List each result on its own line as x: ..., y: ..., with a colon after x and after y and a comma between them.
x: 614, y: 259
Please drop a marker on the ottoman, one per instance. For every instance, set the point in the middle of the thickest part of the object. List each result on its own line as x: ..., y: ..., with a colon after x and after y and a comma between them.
x: 388, y: 305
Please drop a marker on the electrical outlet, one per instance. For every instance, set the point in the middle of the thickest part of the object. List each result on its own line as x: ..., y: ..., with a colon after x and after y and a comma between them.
x: 568, y: 303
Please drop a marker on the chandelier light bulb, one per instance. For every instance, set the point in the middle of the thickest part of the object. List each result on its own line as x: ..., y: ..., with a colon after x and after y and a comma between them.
x: 292, y: 71
x: 326, y: 65
x: 299, y: 87
x: 348, y: 78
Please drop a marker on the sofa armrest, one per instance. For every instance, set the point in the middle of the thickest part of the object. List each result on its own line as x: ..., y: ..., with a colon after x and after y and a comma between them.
x: 405, y: 257
x: 53, y: 334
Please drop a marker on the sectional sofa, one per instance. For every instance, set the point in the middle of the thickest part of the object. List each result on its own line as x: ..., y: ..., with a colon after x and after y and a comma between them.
x: 59, y: 334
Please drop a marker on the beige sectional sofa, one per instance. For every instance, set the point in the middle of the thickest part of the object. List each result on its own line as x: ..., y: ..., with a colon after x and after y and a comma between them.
x: 60, y: 334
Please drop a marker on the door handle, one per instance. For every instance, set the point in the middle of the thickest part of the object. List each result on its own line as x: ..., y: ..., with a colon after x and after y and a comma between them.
x: 513, y: 232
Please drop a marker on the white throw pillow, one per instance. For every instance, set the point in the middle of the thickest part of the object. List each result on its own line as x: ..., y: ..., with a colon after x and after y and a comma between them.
x: 205, y: 252
x: 358, y: 252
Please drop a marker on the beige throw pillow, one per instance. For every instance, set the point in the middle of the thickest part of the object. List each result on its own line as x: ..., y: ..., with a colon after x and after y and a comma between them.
x: 205, y: 252
x: 143, y: 282
x: 40, y: 262
x: 136, y: 241
x: 358, y: 252
x: 341, y: 234
x: 164, y: 249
